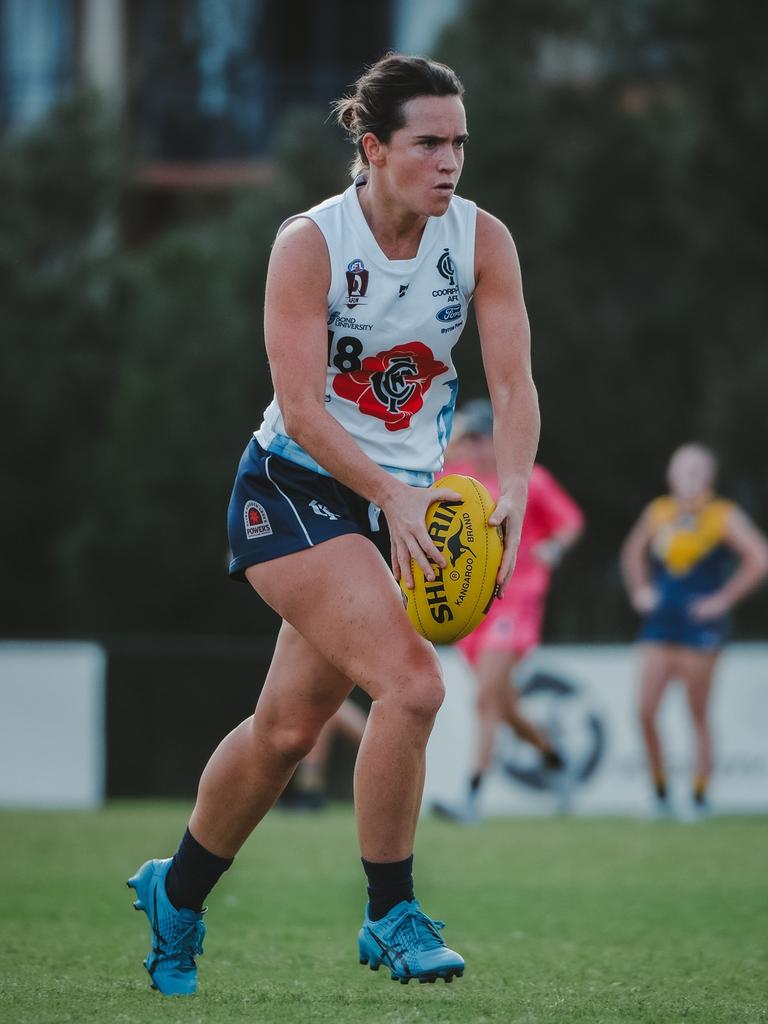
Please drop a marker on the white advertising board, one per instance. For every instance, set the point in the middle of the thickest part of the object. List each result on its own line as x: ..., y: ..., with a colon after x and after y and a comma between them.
x: 52, y: 724
x: 586, y: 697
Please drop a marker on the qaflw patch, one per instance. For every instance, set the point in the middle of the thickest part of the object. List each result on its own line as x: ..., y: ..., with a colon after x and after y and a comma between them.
x: 256, y: 520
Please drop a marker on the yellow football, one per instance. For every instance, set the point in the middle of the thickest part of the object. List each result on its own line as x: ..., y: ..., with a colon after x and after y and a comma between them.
x: 458, y: 599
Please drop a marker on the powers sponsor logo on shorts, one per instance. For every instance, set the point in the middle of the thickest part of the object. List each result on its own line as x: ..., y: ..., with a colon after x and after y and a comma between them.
x: 256, y: 520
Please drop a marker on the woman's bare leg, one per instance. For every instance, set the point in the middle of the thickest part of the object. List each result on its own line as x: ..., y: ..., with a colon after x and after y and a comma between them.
x: 655, y: 676
x: 697, y: 670
x: 512, y: 715
x: 341, y: 597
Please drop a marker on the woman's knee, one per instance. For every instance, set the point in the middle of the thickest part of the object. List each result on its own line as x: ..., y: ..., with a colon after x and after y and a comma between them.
x: 424, y: 699
x: 421, y: 690
x: 293, y: 740
x: 487, y: 702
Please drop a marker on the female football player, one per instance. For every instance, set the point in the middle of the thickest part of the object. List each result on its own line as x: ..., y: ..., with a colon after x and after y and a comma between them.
x: 366, y: 296
x: 677, y: 568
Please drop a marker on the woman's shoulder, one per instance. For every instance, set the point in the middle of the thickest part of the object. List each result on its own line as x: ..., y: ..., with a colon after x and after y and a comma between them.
x: 300, y: 256
x: 491, y: 229
x: 717, y: 512
x: 661, y: 510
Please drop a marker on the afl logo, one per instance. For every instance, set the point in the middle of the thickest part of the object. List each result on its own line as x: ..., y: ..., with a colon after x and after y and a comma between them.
x: 448, y: 314
x: 357, y: 283
x: 446, y: 267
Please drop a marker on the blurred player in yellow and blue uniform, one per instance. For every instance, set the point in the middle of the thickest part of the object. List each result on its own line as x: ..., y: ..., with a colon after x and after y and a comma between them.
x: 687, y: 561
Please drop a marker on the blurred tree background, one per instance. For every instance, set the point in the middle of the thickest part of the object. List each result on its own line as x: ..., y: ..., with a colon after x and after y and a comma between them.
x: 624, y: 145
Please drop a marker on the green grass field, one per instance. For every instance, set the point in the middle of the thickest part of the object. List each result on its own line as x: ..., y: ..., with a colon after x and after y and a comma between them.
x: 559, y: 920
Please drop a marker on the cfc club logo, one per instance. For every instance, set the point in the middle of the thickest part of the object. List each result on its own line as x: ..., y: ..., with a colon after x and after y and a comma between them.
x: 256, y: 520
x: 357, y: 283
x: 391, y: 385
x: 446, y: 268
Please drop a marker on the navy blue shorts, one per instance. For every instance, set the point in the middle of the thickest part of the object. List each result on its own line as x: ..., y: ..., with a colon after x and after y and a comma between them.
x: 278, y: 507
x: 676, y: 626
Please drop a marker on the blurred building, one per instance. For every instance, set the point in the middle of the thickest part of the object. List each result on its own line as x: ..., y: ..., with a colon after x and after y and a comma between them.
x: 203, y: 84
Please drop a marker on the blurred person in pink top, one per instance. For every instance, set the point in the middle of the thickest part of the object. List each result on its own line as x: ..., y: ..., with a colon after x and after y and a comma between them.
x: 553, y: 523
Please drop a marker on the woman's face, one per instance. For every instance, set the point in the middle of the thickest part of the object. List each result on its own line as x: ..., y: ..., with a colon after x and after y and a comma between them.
x: 691, y: 472
x: 422, y: 161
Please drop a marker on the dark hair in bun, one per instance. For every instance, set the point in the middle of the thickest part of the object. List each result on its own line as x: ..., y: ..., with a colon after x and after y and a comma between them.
x: 376, y: 102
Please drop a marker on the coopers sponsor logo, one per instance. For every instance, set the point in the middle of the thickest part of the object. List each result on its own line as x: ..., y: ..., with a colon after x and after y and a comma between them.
x: 448, y: 314
x: 349, y: 323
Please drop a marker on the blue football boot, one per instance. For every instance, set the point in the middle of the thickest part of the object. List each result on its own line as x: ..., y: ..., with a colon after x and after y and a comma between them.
x: 177, y: 935
x: 410, y: 944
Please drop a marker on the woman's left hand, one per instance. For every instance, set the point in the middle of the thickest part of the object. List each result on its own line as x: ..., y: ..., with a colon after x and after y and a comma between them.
x: 712, y: 607
x: 508, y: 514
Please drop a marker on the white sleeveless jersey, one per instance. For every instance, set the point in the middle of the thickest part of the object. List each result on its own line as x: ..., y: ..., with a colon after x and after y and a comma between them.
x: 392, y: 325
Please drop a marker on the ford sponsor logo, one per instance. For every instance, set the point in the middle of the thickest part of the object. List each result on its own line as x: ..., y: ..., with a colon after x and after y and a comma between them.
x: 448, y: 314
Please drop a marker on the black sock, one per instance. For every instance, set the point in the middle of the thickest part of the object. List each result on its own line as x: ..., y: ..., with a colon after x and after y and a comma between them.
x: 388, y: 884
x: 193, y: 874
x: 475, y: 782
x: 552, y: 759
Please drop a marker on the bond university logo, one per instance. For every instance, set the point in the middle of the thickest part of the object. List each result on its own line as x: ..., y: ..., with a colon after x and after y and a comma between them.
x: 357, y: 283
x: 256, y: 520
x: 391, y: 385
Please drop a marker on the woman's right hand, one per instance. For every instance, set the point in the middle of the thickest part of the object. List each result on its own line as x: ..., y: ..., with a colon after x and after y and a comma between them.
x: 644, y: 599
x: 406, y: 512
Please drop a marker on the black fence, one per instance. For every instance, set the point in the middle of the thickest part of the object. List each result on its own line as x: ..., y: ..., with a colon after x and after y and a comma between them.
x: 171, y: 701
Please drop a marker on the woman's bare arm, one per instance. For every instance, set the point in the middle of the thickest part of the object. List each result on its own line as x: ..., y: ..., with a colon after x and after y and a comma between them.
x: 634, y: 566
x: 752, y: 547
x: 505, y: 340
